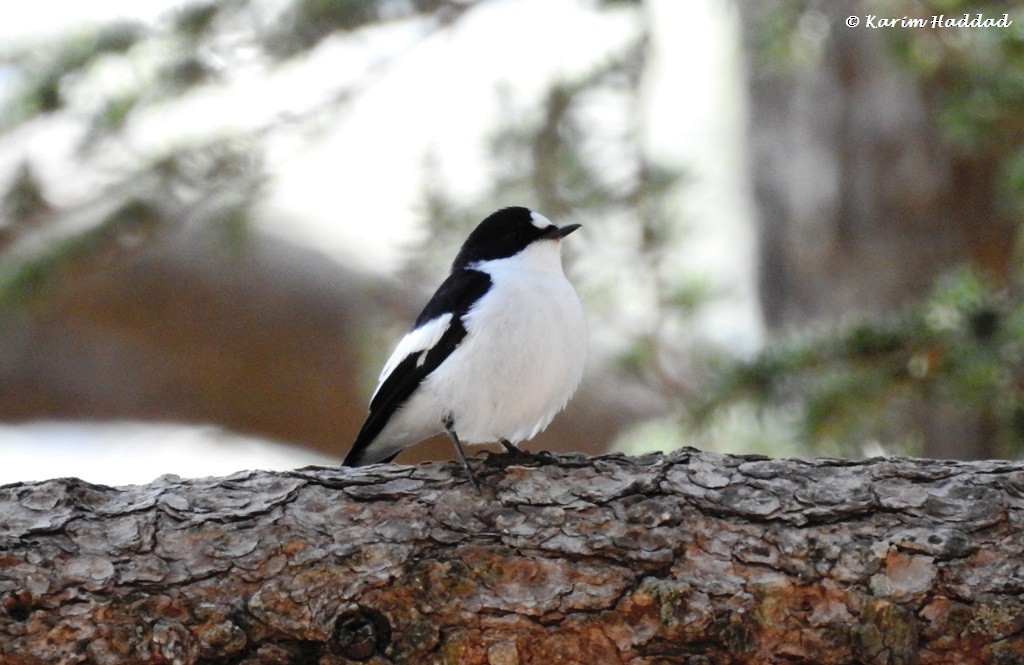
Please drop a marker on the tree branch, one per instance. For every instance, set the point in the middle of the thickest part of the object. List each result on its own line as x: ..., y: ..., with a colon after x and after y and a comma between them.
x: 692, y: 557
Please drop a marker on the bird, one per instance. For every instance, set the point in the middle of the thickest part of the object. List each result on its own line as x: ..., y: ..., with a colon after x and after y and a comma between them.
x: 495, y: 354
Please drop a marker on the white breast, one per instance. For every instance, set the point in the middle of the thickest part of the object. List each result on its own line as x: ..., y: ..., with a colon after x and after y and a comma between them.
x: 523, y: 354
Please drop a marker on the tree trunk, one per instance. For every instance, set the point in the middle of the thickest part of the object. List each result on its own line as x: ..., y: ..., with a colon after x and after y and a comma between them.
x: 861, y: 202
x: 688, y: 558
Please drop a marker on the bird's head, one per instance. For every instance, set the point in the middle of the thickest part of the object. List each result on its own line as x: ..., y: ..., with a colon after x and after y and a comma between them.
x: 508, y: 232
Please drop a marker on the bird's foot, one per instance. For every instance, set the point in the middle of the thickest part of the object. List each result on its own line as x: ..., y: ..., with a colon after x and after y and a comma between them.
x: 479, y: 482
x: 516, y: 454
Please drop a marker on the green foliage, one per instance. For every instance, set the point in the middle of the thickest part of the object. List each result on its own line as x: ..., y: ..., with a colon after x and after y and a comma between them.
x: 305, y: 23
x: 778, y: 41
x: 974, y: 78
x: 46, y: 69
x: 309, y: 21
x: 961, y: 349
x: 196, y: 20
x: 24, y: 197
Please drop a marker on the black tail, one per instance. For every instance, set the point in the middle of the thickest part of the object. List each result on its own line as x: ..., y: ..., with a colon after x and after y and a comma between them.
x: 359, y: 453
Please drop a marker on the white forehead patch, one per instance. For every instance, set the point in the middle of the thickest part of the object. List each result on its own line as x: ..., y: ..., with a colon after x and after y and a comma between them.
x: 539, y: 220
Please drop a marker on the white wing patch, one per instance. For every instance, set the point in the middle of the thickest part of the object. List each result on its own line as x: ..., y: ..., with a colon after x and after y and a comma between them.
x: 420, y: 340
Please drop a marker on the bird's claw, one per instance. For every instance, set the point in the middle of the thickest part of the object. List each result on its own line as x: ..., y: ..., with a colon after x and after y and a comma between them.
x: 517, y: 454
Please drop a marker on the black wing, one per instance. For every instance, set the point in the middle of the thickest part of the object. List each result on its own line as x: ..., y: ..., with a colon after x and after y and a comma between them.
x: 456, y: 295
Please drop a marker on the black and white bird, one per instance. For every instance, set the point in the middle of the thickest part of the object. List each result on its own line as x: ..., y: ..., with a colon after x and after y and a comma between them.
x: 495, y: 354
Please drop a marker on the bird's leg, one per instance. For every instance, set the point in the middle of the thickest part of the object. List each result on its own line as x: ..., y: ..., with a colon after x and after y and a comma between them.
x: 448, y: 427
x: 509, y: 448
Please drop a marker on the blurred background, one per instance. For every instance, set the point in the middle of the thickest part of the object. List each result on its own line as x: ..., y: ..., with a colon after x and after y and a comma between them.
x: 217, y: 217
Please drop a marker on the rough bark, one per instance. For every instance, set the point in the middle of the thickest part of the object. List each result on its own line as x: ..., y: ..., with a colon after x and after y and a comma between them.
x: 687, y: 558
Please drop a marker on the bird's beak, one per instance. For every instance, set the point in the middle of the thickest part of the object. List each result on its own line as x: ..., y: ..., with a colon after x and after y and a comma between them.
x: 559, y: 232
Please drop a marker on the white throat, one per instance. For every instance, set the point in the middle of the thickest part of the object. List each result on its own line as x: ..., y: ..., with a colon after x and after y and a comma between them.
x: 544, y: 256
